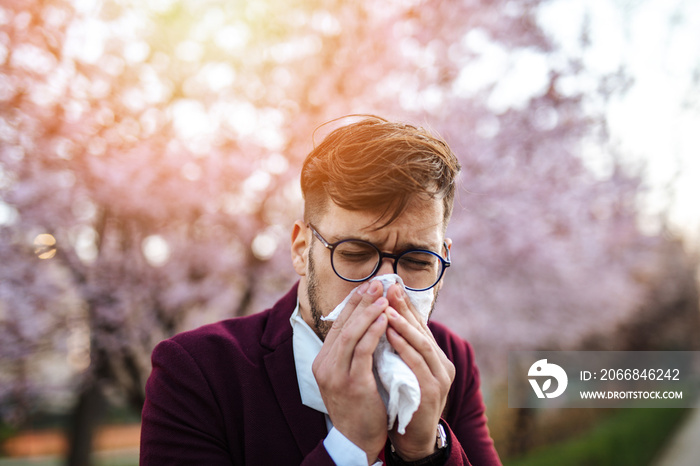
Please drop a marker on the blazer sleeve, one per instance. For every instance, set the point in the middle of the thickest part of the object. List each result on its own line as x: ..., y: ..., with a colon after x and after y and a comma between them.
x: 465, y: 415
x: 180, y: 421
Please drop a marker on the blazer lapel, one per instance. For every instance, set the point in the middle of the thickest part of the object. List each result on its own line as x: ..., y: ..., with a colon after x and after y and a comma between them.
x: 307, y: 425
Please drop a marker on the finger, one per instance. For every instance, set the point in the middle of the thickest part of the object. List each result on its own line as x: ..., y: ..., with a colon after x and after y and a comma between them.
x: 355, y: 299
x: 433, y: 374
x: 415, y: 345
x: 413, y: 359
x: 399, y: 300
x: 363, y: 295
x: 352, y: 303
x: 345, y: 337
x: 340, y: 343
x: 362, y: 358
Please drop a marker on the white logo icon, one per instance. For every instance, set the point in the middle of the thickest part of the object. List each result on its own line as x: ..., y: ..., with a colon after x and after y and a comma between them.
x: 542, y: 369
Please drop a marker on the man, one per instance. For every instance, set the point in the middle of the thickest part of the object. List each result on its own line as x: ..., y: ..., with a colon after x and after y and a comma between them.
x: 285, y: 386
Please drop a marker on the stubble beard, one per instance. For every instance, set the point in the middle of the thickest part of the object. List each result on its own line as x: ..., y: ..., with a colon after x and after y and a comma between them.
x: 321, y: 327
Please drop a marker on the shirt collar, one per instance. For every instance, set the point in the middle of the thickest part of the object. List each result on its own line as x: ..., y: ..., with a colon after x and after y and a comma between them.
x: 306, y: 345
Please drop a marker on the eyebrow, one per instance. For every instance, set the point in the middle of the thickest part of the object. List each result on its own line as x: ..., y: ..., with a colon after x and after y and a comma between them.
x: 410, y: 246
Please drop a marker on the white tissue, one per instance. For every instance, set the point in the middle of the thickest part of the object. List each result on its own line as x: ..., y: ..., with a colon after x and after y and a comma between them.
x: 396, y: 382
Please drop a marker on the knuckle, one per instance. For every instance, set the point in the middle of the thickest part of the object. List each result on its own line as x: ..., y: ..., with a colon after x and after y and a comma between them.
x: 354, y: 301
x: 330, y: 382
x: 367, y: 300
x: 425, y: 347
x: 446, y: 379
x: 412, y: 359
x: 317, y: 370
x: 354, y: 391
x: 360, y: 347
x: 432, y: 390
x: 322, y: 380
x: 344, y: 338
x: 451, y: 371
x: 364, y: 349
x: 445, y: 382
x: 336, y: 384
x: 337, y: 326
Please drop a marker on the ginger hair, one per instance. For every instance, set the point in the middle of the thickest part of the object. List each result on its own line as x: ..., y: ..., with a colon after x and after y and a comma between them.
x: 380, y: 166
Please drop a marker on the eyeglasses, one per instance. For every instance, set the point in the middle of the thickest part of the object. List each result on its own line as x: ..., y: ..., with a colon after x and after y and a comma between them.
x: 356, y: 260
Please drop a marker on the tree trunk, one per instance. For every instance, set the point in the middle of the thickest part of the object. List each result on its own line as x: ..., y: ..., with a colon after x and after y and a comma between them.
x: 85, y: 418
x: 521, y: 438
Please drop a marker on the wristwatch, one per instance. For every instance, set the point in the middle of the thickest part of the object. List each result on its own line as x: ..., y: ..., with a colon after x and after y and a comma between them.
x: 440, y: 437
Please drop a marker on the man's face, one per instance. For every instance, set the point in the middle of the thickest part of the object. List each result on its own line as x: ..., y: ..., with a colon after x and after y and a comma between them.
x: 321, y: 290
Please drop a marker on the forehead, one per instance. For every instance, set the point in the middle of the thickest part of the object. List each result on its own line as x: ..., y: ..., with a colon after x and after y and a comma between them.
x: 420, y: 225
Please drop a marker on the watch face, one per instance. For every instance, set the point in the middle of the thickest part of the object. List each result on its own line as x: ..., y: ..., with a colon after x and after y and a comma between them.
x: 441, y: 437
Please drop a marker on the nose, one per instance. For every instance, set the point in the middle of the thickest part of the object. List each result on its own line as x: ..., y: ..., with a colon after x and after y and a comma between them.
x: 387, y: 266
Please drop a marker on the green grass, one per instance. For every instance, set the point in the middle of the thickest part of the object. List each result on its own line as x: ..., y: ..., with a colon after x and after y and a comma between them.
x: 117, y: 458
x: 631, y: 437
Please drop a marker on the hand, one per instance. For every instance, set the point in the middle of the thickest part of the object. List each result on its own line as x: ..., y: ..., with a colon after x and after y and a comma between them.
x: 343, y: 370
x: 415, y: 343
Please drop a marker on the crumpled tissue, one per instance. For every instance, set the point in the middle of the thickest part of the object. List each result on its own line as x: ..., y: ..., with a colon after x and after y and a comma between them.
x: 396, y: 382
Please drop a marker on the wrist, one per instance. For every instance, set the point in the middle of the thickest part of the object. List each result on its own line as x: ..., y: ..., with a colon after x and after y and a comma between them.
x: 435, y: 454
x: 345, y: 452
x: 411, y: 455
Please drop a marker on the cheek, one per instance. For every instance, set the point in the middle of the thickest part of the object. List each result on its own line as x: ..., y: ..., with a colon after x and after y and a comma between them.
x: 332, y: 293
x: 331, y: 289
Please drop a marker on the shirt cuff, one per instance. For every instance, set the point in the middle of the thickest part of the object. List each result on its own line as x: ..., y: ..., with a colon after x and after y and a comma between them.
x: 343, y: 452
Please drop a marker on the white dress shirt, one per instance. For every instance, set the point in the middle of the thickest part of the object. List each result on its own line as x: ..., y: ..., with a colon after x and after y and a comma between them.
x: 306, y: 345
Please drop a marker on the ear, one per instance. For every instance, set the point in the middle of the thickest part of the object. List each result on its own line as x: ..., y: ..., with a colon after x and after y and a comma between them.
x: 300, y: 247
x: 448, y: 243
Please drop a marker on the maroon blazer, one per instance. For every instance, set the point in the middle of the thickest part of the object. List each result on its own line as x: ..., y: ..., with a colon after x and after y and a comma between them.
x: 227, y: 394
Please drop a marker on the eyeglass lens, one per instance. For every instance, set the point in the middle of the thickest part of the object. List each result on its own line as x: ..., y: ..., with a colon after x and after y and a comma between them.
x: 357, y: 260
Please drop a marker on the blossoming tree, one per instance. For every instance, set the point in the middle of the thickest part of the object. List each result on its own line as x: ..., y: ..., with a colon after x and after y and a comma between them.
x: 149, y: 164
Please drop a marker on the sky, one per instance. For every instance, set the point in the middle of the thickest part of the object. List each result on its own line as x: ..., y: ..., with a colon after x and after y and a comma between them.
x: 655, y: 123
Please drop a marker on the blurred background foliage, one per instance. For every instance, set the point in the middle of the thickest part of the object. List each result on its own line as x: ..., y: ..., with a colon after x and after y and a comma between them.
x: 149, y: 160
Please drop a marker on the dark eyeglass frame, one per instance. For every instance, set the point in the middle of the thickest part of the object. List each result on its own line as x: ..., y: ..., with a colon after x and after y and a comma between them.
x: 395, y: 257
